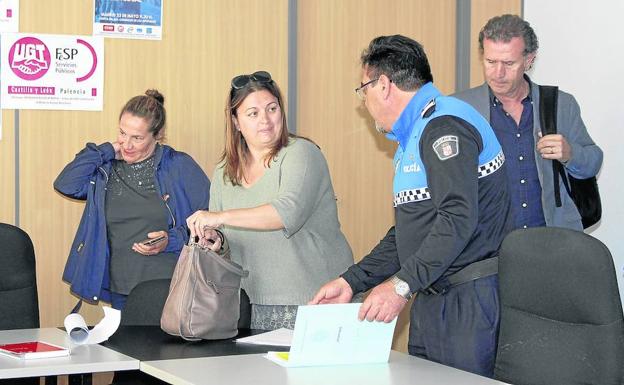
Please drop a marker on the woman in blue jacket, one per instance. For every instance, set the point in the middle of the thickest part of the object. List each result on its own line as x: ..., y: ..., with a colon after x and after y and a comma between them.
x: 138, y: 194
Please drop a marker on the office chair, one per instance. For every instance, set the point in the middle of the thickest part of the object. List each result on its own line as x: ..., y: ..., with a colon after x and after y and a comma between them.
x: 18, y: 283
x: 147, y: 299
x: 144, y: 307
x: 561, y: 315
x: 244, y: 320
x: 19, y: 304
x: 145, y: 303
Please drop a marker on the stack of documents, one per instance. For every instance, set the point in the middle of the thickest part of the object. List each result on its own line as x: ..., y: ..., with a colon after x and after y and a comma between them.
x: 333, y: 335
x: 279, y: 337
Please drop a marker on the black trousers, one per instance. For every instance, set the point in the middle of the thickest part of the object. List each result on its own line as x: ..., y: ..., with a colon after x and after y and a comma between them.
x: 458, y: 328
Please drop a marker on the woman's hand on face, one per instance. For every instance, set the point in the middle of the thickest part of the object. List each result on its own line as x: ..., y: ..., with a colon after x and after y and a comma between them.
x: 117, y: 147
x: 202, y: 220
x: 154, y: 249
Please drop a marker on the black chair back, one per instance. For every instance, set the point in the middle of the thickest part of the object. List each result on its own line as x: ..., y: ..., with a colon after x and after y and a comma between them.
x: 145, y: 303
x: 147, y: 300
x: 561, y: 314
x: 19, y: 305
x: 244, y: 321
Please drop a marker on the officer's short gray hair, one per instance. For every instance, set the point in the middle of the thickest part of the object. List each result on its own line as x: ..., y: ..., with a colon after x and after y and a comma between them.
x: 506, y: 27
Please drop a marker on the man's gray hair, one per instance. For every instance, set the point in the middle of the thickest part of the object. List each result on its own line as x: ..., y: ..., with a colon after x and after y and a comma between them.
x: 506, y: 27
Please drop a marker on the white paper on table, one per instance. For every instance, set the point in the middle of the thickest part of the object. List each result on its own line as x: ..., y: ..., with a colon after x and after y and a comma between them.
x: 279, y: 337
x: 80, y: 334
x: 333, y: 335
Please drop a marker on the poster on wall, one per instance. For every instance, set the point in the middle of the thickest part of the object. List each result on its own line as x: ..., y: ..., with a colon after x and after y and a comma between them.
x: 9, y: 16
x: 128, y: 19
x: 9, y: 22
x: 51, y: 72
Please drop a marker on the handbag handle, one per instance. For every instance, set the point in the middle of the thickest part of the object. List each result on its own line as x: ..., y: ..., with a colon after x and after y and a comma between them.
x: 225, y: 259
x: 222, y: 251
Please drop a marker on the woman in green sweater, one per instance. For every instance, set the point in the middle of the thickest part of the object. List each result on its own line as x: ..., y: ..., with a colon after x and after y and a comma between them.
x: 273, y: 199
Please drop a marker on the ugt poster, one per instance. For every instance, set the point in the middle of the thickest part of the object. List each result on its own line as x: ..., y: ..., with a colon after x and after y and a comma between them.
x: 51, y: 72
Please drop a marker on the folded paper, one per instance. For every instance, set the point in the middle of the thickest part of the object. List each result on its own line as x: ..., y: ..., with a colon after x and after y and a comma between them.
x: 333, y: 335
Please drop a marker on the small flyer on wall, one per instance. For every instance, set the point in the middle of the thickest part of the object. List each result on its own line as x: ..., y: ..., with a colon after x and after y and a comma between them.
x: 9, y: 15
x: 9, y: 22
x: 51, y: 72
x: 128, y: 19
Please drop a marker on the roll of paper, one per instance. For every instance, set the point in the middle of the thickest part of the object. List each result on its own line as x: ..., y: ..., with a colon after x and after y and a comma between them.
x: 80, y: 334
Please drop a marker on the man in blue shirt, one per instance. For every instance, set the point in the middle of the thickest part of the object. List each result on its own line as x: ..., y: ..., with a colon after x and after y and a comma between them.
x: 451, y: 213
x: 510, y: 101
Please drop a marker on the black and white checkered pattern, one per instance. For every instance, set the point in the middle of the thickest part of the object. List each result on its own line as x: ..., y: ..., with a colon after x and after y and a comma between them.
x: 493, y: 165
x: 422, y: 194
x: 415, y: 195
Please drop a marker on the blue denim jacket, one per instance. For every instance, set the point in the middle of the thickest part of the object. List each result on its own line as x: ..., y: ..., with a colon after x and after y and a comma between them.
x: 180, y: 181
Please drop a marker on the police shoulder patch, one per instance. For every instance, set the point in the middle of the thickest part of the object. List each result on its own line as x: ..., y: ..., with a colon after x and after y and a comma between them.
x: 446, y: 147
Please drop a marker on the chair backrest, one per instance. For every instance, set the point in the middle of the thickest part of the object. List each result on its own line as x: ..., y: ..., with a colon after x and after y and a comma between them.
x: 561, y: 314
x: 145, y: 303
x: 244, y: 320
x: 19, y: 305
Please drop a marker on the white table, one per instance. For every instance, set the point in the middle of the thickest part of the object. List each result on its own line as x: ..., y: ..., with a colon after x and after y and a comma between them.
x: 401, y: 369
x: 83, y: 358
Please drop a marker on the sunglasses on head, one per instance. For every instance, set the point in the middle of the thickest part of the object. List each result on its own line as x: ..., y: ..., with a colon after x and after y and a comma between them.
x: 241, y: 81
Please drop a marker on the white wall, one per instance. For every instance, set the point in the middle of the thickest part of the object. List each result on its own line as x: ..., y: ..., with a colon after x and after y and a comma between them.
x: 582, y: 51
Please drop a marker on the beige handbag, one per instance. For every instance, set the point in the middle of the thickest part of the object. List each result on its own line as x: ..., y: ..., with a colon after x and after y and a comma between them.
x: 204, y: 298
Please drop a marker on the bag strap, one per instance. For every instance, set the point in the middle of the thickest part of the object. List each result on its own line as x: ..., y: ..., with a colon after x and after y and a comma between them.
x: 548, y: 121
x: 76, y: 308
x: 223, y: 259
x: 225, y: 247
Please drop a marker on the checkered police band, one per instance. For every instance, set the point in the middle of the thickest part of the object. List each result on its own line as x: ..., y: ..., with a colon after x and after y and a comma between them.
x: 493, y: 165
x: 415, y: 195
x: 421, y: 194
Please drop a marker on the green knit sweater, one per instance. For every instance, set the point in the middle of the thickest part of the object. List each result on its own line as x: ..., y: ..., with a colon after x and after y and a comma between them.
x: 287, y: 266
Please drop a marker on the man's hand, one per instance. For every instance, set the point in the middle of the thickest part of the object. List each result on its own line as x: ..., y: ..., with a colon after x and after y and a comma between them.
x: 382, y: 304
x: 554, y: 146
x: 336, y: 291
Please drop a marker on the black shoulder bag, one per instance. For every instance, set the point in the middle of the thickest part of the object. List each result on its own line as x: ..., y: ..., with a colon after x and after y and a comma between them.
x: 584, y: 192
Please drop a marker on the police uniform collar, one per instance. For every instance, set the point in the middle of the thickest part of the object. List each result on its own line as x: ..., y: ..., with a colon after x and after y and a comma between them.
x: 402, y: 128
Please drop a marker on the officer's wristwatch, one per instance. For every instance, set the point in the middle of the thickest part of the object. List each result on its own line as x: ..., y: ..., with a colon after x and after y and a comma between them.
x: 401, y: 287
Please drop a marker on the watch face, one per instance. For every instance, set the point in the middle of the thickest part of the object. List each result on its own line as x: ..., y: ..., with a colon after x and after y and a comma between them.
x: 401, y: 288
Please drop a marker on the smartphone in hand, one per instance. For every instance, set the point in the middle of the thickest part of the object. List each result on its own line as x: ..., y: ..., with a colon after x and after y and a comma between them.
x: 153, y: 241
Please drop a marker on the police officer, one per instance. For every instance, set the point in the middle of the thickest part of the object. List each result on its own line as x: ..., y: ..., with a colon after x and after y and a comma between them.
x: 452, y: 212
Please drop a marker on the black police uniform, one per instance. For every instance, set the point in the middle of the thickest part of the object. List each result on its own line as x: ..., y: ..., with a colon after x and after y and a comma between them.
x: 452, y: 210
